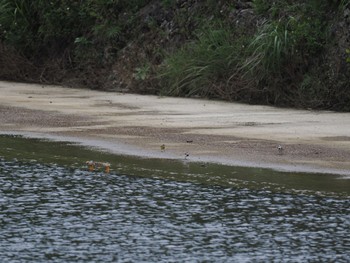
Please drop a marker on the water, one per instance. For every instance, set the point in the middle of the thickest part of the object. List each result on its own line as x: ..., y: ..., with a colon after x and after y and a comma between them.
x: 60, y: 214
x: 53, y: 210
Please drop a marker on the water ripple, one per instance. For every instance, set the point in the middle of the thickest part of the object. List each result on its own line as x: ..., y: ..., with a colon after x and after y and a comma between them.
x: 69, y: 215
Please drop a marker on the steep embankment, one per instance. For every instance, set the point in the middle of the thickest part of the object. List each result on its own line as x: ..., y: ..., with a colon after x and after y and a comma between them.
x: 286, y: 53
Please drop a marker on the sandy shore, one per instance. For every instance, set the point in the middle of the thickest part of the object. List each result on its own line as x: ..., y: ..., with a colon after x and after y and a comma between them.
x: 210, y: 131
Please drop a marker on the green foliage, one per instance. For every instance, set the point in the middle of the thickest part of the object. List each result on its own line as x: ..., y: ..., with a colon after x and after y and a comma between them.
x: 272, y: 63
x: 279, y: 53
x: 168, y: 3
x: 342, y: 4
x: 33, y: 27
x: 270, y: 48
x: 194, y: 69
x: 141, y: 73
x: 261, y: 6
x: 276, y: 9
x: 311, y: 92
x: 277, y: 42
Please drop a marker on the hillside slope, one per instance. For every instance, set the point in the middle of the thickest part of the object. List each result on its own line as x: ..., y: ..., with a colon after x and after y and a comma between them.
x: 283, y: 53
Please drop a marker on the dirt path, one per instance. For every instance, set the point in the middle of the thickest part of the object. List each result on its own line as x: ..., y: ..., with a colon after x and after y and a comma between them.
x: 229, y: 133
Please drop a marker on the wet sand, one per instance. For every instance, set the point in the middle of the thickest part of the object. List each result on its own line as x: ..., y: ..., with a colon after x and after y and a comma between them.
x: 209, y: 131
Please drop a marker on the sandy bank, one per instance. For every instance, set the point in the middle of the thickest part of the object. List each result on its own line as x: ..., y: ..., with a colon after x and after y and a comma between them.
x: 229, y: 133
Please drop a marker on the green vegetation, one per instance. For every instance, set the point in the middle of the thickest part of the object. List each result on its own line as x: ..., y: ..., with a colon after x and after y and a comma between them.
x: 285, y: 53
x: 56, y: 36
x: 34, y: 27
x: 281, y: 50
x: 200, y: 66
x: 275, y: 67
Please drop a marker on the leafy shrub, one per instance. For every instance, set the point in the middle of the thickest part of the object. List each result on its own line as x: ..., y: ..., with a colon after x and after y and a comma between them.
x: 141, y: 73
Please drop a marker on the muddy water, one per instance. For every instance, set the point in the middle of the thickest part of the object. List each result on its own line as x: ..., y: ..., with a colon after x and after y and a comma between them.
x: 52, y: 209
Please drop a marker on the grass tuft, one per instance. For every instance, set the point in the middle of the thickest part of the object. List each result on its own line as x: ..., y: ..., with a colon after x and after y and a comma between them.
x: 195, y: 68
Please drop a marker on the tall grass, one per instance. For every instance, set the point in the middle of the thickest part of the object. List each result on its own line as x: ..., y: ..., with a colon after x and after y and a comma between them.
x: 269, y: 49
x: 281, y: 50
x: 196, y: 67
x: 343, y: 4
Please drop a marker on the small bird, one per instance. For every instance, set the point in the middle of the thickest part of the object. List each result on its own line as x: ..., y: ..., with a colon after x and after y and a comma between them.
x: 186, y: 155
x: 162, y: 147
x: 280, y: 149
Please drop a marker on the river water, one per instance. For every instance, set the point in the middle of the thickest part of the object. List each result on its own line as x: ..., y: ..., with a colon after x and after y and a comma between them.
x: 53, y: 212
